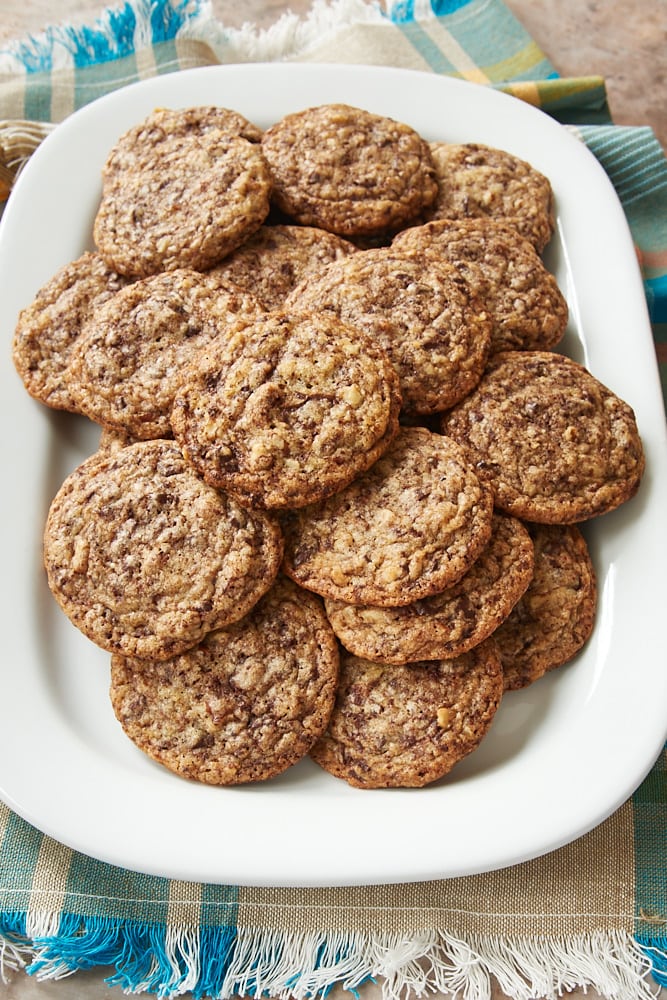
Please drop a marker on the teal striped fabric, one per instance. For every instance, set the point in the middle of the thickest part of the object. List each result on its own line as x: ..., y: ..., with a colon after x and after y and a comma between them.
x: 61, y: 911
x: 650, y: 827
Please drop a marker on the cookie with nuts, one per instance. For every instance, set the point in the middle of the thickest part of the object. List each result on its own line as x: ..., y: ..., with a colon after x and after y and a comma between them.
x: 451, y: 622
x: 555, y: 444
x: 130, y: 359
x: 476, y: 180
x: 49, y: 327
x: 410, y: 526
x: 243, y: 705
x: 347, y: 170
x: 287, y: 410
x: 183, y: 188
x: 406, y: 726
x: 146, y: 559
x: 436, y: 331
x: 555, y: 616
x: 525, y: 303
x: 275, y: 259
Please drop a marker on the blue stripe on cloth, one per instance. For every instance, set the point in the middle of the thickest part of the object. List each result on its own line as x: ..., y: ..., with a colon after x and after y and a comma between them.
x: 112, y: 36
x: 656, y: 296
x: 631, y: 156
x: 126, y: 928
x: 476, y: 26
x: 443, y: 7
x: 649, y: 804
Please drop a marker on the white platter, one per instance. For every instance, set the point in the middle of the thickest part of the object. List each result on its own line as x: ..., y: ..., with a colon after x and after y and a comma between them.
x: 561, y: 756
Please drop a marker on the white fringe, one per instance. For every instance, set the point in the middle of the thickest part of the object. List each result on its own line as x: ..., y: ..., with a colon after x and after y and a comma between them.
x: 289, y: 966
x: 280, y: 965
x: 291, y: 36
x: 525, y: 968
x: 13, y: 957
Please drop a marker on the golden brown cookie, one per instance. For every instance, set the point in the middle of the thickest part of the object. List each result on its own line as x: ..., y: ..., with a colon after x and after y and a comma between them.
x: 347, y: 170
x: 555, y: 445
x: 451, y: 622
x: 146, y: 559
x: 242, y: 706
x: 505, y: 271
x: 276, y: 258
x: 114, y: 440
x: 287, y: 410
x: 555, y: 616
x: 131, y: 356
x: 405, y: 726
x: 181, y: 189
x: 419, y: 309
x: 49, y: 327
x: 410, y: 526
x: 479, y: 180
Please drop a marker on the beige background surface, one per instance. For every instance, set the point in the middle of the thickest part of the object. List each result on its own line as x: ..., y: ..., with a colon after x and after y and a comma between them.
x: 622, y: 41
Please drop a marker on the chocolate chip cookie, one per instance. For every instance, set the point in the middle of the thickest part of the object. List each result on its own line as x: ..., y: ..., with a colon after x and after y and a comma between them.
x: 451, y: 622
x: 242, y: 706
x: 527, y: 308
x: 288, y: 410
x: 479, y: 180
x: 276, y: 258
x: 146, y: 559
x: 407, y: 726
x: 554, y: 443
x: 181, y: 189
x: 131, y: 356
x: 555, y: 616
x: 410, y: 526
x: 348, y: 171
x: 422, y: 312
x: 49, y: 327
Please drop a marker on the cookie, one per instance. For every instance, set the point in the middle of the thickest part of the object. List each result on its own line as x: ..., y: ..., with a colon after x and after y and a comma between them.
x: 410, y: 526
x: 451, y: 622
x: 111, y: 440
x: 555, y: 616
x: 49, y: 327
x: 505, y: 271
x: 477, y: 180
x: 242, y: 706
x: 420, y: 310
x: 288, y: 410
x: 405, y: 726
x: 146, y: 559
x: 130, y: 359
x: 181, y: 189
x: 554, y: 443
x: 277, y: 257
x: 348, y: 171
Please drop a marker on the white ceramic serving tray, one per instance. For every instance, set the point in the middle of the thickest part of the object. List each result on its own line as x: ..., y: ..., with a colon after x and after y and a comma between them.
x: 562, y: 754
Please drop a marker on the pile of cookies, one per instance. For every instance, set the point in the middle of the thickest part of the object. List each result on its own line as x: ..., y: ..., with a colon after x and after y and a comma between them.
x: 334, y: 510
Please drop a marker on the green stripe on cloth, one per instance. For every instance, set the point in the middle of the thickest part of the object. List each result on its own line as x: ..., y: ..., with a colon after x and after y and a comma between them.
x: 573, y: 101
x: 19, y: 854
x: 482, y: 29
x: 650, y: 819
x: 34, y: 97
x: 637, y: 167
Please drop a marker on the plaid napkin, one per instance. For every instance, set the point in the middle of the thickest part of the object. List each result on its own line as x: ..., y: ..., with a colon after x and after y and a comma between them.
x: 593, y: 913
